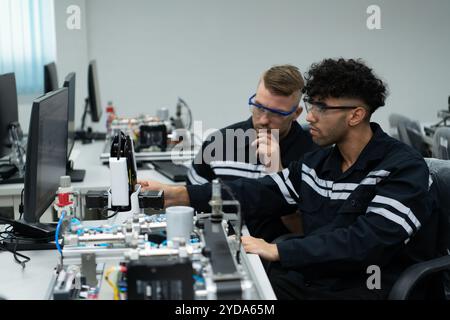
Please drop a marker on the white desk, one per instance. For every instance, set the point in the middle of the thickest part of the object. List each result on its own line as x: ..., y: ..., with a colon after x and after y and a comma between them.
x: 31, y: 283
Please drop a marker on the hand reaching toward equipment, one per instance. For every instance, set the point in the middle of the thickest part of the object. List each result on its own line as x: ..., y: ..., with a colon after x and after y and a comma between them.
x: 173, y: 195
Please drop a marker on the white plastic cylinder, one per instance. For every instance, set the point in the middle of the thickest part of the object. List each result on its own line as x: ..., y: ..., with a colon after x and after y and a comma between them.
x: 180, y: 223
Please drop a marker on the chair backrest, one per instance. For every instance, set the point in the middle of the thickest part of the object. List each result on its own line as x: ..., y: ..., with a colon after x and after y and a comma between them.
x: 418, y: 142
x: 441, y: 143
x: 440, y: 173
x: 398, y: 124
x: 394, y: 118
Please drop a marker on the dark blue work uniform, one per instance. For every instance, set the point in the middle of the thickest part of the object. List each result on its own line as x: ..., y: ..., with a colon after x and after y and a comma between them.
x: 379, y: 212
x: 232, y: 160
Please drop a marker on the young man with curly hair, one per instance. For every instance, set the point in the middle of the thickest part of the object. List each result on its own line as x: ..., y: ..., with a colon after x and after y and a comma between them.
x: 365, y: 201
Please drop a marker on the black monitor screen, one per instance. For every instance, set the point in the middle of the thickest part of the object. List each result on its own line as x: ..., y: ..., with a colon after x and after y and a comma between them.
x: 8, y: 109
x: 50, y: 78
x: 69, y: 83
x: 46, y: 152
x: 94, y: 93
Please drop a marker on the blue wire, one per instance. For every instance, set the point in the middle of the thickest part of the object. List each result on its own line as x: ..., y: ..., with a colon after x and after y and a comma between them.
x: 75, y: 221
x: 198, y: 278
x: 58, y: 227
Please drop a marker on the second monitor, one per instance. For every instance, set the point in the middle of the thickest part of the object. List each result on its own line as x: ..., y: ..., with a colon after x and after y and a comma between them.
x: 50, y: 78
x: 75, y: 175
x: 93, y: 106
x: 9, y: 172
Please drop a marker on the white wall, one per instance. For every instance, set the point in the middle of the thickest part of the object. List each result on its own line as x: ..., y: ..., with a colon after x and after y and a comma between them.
x: 211, y: 52
x: 71, y: 56
x: 72, y: 51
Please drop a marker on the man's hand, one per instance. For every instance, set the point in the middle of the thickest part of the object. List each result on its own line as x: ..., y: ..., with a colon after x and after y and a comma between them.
x: 268, y: 150
x: 152, y: 185
x: 260, y: 247
x: 173, y: 195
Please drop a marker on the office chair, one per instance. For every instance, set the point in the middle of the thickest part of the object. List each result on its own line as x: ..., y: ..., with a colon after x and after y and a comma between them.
x: 418, y: 142
x: 393, y: 125
x: 441, y: 145
x: 436, y: 271
x: 398, y: 124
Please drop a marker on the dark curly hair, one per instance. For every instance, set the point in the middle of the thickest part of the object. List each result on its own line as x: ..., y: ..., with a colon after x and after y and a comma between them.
x: 345, y: 79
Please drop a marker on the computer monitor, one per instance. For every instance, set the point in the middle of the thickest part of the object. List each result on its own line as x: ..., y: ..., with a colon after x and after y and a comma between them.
x: 69, y: 83
x: 93, y: 106
x: 50, y: 78
x: 8, y: 110
x: 94, y: 93
x: 46, y: 162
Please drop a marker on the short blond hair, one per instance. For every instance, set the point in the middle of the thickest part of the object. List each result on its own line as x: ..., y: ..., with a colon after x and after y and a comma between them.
x: 284, y: 80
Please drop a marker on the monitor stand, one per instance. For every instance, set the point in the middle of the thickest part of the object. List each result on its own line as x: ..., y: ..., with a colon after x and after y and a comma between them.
x: 32, y: 236
x: 75, y: 175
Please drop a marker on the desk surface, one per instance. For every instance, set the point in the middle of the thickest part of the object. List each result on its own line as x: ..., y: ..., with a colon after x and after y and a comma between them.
x: 32, y: 283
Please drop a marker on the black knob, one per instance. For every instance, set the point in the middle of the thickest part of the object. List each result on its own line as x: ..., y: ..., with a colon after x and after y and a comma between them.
x: 206, y: 252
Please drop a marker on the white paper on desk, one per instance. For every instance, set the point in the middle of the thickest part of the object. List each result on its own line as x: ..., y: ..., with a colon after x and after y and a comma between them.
x: 74, y: 155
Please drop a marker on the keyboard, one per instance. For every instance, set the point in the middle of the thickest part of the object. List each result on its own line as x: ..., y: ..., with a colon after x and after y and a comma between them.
x: 175, y: 172
x: 89, y: 135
